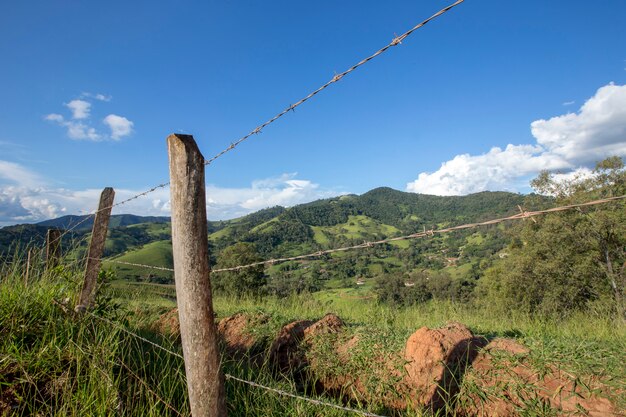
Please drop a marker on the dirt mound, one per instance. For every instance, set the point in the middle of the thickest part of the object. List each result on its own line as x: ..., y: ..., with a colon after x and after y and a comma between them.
x: 436, y: 358
x: 330, y: 323
x: 504, y: 381
x: 285, y: 352
x: 168, y: 323
x: 498, y: 378
x: 233, y: 333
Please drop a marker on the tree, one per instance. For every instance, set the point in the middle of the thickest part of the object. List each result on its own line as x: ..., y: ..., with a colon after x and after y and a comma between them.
x: 246, y: 281
x: 567, y: 260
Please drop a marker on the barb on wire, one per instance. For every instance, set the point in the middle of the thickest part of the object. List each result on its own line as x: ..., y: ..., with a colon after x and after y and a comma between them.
x: 425, y: 233
x: 337, y: 77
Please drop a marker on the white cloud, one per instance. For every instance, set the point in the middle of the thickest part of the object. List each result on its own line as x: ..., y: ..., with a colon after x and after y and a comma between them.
x: 16, y: 174
x: 566, y: 142
x: 25, y: 197
x: 53, y: 117
x: 496, y: 170
x: 568, y: 103
x: 120, y: 126
x: 79, y: 126
x: 597, y: 130
x: 80, y: 109
x: 77, y: 130
x: 98, y: 96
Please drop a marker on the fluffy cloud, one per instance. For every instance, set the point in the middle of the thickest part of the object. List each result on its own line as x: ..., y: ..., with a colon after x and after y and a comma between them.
x: 597, y: 130
x: 34, y: 200
x: 120, y: 126
x: 79, y: 125
x: 80, y: 109
x: 496, y: 170
x: 568, y: 142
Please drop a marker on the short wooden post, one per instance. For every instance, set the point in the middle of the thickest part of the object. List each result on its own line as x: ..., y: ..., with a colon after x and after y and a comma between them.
x: 96, y: 249
x: 198, y: 333
x: 53, y: 248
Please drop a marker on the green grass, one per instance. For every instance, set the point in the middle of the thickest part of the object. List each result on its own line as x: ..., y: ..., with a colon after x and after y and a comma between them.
x: 458, y: 271
x: 320, y: 236
x: 155, y: 254
x: 264, y: 227
x: 155, y: 230
x: 357, y: 227
x: 222, y: 233
x: 53, y: 362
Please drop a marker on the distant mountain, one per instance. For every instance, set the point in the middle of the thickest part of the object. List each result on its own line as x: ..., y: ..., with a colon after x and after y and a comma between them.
x: 322, y: 224
x: 117, y: 220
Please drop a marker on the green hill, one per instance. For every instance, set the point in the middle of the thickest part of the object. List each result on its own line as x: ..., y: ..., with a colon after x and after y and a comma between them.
x: 346, y: 220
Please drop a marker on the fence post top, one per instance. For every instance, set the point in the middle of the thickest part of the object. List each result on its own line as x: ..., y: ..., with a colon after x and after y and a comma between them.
x: 179, y: 141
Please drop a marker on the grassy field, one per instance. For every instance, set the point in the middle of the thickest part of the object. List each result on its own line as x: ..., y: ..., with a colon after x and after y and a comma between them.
x: 156, y: 253
x: 53, y: 362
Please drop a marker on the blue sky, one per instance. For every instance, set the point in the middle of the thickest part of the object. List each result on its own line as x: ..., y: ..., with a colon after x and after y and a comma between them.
x: 480, y: 99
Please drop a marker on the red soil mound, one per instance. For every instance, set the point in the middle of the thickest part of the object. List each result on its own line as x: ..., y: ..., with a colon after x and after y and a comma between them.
x: 509, y: 382
x: 435, y: 359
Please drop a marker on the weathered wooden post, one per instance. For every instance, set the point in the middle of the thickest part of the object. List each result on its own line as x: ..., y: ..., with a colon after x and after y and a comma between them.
x: 53, y: 248
x: 198, y: 333
x: 96, y: 249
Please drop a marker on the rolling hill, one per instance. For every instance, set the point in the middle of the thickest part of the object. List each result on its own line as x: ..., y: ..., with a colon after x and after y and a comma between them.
x: 378, y: 214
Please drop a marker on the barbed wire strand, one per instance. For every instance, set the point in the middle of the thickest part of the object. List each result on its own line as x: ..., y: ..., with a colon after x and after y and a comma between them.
x: 426, y: 233
x: 336, y: 78
x: 234, y: 378
x: 300, y: 397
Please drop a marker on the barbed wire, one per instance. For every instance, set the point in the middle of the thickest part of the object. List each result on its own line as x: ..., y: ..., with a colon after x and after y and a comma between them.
x: 234, y: 378
x: 160, y: 268
x: 303, y: 398
x: 426, y: 233
x: 396, y: 41
x: 336, y: 78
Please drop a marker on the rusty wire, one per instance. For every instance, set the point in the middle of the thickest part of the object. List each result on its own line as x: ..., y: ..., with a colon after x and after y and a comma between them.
x: 426, y: 233
x: 396, y: 41
x: 337, y: 77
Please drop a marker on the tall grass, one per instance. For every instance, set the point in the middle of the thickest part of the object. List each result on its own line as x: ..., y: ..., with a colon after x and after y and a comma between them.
x: 53, y: 362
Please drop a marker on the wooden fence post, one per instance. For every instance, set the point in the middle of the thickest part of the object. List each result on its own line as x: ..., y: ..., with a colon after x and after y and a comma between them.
x: 198, y: 333
x: 53, y: 248
x: 96, y: 249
